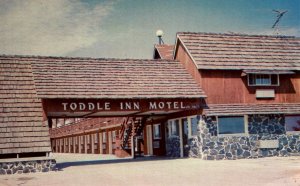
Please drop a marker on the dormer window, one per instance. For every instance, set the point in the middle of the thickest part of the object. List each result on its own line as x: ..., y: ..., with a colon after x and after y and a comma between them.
x: 263, y: 79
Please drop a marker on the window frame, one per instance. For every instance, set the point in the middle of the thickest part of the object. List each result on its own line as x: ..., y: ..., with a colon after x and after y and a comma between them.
x: 172, y: 123
x: 260, y: 85
x: 246, y: 133
x: 189, y: 123
x: 113, y: 136
x: 159, y: 129
x: 290, y: 132
x: 104, y: 140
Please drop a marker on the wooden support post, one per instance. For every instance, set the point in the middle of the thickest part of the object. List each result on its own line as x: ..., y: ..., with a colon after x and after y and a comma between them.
x: 73, y: 144
x: 189, y: 127
x: 100, y: 143
x: 69, y: 144
x: 66, y: 145
x: 60, y: 145
x: 132, y: 147
x: 181, y: 138
x: 85, y: 143
x: 76, y: 144
x: 93, y: 143
x: 79, y: 144
x: 56, y: 145
x: 109, y: 143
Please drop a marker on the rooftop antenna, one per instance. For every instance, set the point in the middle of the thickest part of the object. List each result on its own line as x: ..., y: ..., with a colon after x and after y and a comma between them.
x: 279, y: 16
x: 159, y: 34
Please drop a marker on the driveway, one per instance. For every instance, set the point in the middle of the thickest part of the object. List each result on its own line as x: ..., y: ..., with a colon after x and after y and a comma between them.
x: 107, y: 170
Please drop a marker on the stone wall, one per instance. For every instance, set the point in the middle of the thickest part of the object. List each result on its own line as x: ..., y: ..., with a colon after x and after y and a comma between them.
x: 194, y: 146
x: 26, y: 166
x: 260, y: 127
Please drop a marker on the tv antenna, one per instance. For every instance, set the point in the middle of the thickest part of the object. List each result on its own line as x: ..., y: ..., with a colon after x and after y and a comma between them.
x: 279, y: 16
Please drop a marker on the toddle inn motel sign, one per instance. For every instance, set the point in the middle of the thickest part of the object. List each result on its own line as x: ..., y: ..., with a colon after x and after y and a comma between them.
x: 95, y: 107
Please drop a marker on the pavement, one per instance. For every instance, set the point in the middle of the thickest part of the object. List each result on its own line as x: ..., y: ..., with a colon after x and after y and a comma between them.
x: 80, y: 170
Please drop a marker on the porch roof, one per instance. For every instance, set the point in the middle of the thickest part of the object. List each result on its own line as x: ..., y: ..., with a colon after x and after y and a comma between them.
x: 243, y: 109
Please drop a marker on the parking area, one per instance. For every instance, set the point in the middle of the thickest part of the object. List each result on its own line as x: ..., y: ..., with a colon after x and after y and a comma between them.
x: 77, y: 169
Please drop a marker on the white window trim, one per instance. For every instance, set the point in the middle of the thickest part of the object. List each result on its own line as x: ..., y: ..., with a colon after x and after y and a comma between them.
x: 171, y: 121
x: 189, y: 120
x: 156, y: 138
x: 246, y: 133
x: 278, y: 83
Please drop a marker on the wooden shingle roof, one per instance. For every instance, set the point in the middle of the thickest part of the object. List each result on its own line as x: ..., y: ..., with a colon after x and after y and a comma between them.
x: 240, y: 52
x: 165, y: 51
x: 21, y: 117
x: 57, y: 77
x: 242, y: 109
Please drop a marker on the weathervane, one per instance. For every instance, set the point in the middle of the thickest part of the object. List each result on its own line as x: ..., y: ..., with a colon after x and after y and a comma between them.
x: 279, y: 16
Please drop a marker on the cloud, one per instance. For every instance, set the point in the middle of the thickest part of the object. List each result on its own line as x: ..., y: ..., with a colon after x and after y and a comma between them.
x: 54, y: 27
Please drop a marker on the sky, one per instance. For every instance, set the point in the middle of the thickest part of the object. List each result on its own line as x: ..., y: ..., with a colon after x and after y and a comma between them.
x: 126, y: 28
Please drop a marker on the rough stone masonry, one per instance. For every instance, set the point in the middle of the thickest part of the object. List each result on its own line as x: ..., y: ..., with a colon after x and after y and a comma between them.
x: 209, y: 146
x: 27, y: 166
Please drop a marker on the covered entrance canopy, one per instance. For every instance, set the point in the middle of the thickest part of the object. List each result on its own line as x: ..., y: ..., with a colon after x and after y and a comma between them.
x: 85, y: 87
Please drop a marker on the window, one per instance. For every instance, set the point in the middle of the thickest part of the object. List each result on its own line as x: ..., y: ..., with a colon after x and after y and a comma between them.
x: 114, y: 136
x: 173, y: 128
x: 96, y: 137
x: 104, y: 137
x: 88, y: 139
x: 82, y: 139
x: 156, y: 131
x: 292, y: 123
x: 231, y: 125
x: 185, y: 126
x: 263, y: 80
x: 194, y: 126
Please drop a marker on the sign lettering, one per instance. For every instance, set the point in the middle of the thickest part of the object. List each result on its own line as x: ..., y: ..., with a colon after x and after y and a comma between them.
x: 126, y: 106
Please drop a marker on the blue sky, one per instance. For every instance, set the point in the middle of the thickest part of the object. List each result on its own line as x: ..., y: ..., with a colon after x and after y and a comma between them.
x: 126, y: 28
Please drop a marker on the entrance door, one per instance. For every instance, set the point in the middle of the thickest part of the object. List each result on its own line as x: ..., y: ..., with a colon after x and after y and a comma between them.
x: 149, y: 140
x: 185, y: 137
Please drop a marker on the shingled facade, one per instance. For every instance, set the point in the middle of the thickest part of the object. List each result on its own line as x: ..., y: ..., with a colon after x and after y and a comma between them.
x: 252, y: 83
x: 23, y: 131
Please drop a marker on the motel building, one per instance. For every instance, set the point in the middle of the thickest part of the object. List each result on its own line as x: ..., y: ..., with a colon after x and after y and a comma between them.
x: 208, y: 96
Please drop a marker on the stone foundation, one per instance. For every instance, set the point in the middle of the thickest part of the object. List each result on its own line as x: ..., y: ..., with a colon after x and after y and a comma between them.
x: 26, y: 165
x: 260, y: 127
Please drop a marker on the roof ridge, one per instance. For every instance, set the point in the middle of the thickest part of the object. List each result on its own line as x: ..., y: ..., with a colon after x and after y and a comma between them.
x: 238, y: 34
x: 76, y: 58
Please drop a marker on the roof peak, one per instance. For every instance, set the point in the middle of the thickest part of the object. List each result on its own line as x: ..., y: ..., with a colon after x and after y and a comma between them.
x: 236, y: 34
